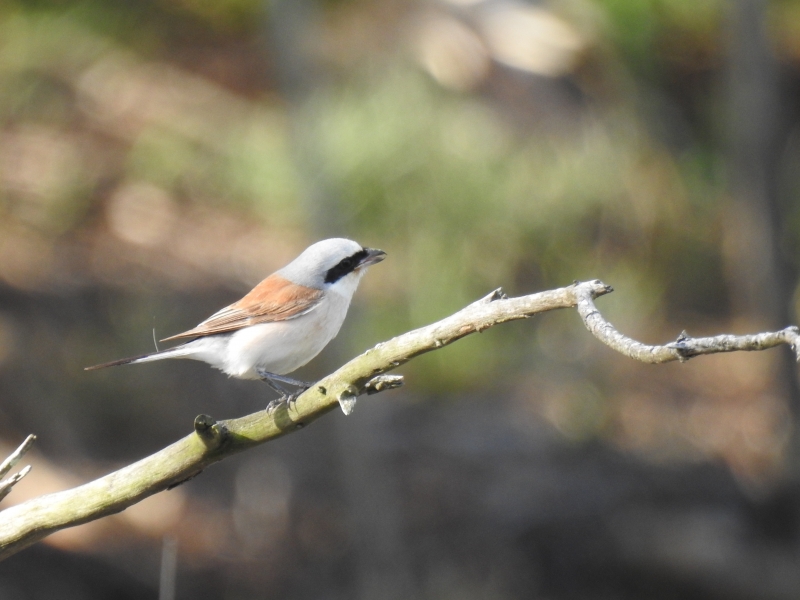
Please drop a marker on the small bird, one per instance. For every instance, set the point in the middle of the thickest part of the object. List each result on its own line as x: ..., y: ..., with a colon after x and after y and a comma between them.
x: 282, y: 323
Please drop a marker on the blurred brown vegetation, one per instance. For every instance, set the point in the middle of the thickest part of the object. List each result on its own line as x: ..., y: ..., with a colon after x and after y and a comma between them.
x: 159, y: 157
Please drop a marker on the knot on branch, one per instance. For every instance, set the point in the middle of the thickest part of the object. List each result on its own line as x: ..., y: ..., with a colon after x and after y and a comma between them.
x: 497, y: 294
x: 492, y: 296
x: 381, y: 383
x: 682, y: 346
x: 210, y: 431
x: 793, y: 337
x: 347, y: 399
x: 595, y: 287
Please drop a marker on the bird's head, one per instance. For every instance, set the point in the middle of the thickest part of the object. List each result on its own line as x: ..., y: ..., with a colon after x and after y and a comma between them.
x: 336, y: 263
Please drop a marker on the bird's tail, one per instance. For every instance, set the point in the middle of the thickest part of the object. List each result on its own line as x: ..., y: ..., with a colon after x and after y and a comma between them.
x: 177, y: 352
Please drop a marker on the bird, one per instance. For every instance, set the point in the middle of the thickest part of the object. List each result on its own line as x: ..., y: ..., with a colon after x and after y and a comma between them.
x: 282, y: 323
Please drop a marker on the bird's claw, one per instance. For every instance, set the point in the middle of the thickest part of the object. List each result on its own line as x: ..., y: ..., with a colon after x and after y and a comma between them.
x: 287, y: 399
x: 274, y: 404
x: 271, y: 379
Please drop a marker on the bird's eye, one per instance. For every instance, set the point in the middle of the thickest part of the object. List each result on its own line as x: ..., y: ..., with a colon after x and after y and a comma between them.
x: 345, y: 266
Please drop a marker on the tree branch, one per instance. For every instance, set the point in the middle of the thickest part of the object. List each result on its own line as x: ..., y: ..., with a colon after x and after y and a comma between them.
x: 683, y: 348
x: 24, y: 524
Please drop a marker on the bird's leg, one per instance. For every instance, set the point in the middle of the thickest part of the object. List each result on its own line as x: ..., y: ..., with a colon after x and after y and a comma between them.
x: 272, y: 379
x: 283, y: 379
x: 276, y: 402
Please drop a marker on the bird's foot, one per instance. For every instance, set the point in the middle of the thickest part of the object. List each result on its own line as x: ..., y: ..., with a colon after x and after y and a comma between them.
x: 274, y: 381
x: 275, y: 403
x: 288, y: 399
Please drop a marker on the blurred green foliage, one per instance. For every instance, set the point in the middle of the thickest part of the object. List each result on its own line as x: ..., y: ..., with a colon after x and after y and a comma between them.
x: 463, y: 197
x: 158, y: 157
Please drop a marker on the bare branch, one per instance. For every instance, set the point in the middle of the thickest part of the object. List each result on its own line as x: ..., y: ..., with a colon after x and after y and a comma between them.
x: 8, y: 484
x: 683, y: 348
x: 213, y: 440
x: 15, y: 456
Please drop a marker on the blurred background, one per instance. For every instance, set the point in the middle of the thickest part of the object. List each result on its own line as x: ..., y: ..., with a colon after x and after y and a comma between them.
x: 160, y: 157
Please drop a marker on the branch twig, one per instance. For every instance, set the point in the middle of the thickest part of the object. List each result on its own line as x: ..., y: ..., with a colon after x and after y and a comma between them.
x: 8, y: 484
x: 24, y: 524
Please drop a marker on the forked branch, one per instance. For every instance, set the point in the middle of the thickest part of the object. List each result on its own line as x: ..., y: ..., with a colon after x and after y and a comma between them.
x: 212, y: 441
x: 6, y: 485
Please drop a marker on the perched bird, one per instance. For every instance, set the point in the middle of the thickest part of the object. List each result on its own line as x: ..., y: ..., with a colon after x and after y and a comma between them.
x: 284, y: 322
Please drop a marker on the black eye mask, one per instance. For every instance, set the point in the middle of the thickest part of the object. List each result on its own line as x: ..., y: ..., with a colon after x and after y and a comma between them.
x: 346, y: 266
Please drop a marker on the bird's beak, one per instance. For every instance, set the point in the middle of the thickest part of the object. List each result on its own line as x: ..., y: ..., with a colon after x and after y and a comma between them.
x: 373, y: 256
